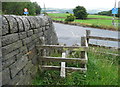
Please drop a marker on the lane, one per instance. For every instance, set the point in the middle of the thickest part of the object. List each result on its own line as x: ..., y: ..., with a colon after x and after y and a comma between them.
x: 70, y: 35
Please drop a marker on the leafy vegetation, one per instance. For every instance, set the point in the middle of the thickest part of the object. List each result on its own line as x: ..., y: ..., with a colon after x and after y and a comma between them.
x: 80, y: 12
x: 109, y: 13
x: 17, y: 8
x: 102, y: 70
x: 70, y: 18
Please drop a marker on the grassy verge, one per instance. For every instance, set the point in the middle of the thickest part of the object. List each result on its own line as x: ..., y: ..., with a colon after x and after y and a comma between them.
x: 102, y: 70
x: 96, y: 23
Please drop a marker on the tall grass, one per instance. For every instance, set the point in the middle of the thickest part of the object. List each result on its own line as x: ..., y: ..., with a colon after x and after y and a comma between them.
x: 102, y: 70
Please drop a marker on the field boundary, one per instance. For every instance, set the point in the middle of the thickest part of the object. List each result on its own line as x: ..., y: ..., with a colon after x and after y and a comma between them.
x: 90, y: 18
x: 86, y: 25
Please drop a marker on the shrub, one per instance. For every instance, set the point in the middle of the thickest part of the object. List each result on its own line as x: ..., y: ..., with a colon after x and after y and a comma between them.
x: 70, y: 18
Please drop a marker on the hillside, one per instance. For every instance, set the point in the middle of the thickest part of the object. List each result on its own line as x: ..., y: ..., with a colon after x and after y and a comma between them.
x: 58, y: 10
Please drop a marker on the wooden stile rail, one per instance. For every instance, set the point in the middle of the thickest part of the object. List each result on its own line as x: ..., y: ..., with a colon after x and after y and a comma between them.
x: 100, y: 38
x: 67, y: 68
x: 82, y: 48
x: 103, y: 38
x: 59, y: 59
x: 88, y: 36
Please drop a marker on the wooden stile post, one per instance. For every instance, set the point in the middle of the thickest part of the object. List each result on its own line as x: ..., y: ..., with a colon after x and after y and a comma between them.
x: 62, y: 72
x: 87, y: 35
x: 84, y: 53
x: 42, y: 51
x: 42, y: 43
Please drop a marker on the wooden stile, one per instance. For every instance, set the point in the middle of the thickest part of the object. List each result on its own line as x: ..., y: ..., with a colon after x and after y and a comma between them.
x: 45, y: 58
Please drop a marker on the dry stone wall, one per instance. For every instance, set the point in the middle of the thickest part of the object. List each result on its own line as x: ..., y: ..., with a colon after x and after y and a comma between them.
x: 18, y: 51
x: 0, y: 52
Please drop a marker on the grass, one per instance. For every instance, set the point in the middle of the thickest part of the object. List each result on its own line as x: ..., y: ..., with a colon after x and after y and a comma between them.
x: 102, y: 70
x: 89, y: 16
x: 97, y: 23
x: 58, y: 14
x: 99, y: 16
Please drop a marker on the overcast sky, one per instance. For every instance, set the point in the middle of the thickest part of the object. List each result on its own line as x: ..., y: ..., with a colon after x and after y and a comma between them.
x: 88, y: 4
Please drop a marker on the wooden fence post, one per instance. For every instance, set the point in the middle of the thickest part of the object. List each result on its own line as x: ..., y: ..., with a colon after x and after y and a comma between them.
x: 87, y: 35
x: 42, y: 51
x: 62, y: 72
x: 84, y: 53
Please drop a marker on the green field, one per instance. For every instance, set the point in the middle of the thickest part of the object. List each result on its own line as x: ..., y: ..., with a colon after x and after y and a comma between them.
x: 91, y: 21
x: 57, y: 14
x: 98, y: 16
x: 102, y: 70
x: 65, y: 15
x: 100, y: 22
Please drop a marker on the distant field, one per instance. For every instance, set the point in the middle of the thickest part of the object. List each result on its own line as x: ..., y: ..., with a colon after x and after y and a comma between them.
x: 98, y: 16
x: 58, y: 14
x: 102, y: 21
x: 65, y: 15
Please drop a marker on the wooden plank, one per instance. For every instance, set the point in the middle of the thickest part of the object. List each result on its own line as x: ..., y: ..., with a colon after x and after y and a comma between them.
x: 63, y: 55
x: 103, y: 38
x: 86, y: 57
x: 104, y: 46
x: 62, y: 71
x: 83, y: 48
x: 55, y: 59
x: 67, y: 68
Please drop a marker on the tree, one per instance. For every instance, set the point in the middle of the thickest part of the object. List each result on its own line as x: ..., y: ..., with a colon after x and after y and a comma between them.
x: 16, y: 8
x: 67, y: 12
x: 108, y: 13
x: 80, y: 12
x: 37, y: 8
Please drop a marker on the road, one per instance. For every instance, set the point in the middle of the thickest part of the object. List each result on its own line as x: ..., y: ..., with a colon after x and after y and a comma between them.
x: 69, y: 34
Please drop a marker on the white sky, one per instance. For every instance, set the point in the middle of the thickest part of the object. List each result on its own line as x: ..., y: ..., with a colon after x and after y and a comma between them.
x: 88, y: 4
